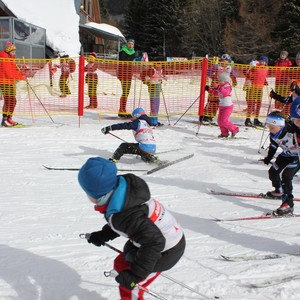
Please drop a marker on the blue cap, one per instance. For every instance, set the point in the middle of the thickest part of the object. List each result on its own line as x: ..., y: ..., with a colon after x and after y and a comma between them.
x: 264, y: 58
x: 98, y: 176
x: 295, y: 108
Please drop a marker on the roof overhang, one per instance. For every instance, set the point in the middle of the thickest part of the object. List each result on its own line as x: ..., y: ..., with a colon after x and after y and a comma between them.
x: 103, y: 31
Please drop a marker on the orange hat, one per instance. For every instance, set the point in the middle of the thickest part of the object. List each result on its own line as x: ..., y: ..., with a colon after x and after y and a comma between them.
x: 9, y: 47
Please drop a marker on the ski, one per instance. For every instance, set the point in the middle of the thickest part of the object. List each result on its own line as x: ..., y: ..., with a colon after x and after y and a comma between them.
x: 77, y: 169
x: 263, y: 217
x: 257, y: 257
x: 245, y: 195
x: 273, y: 281
x: 164, y: 164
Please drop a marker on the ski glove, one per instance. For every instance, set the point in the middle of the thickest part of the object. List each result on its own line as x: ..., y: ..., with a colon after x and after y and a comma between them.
x: 127, y: 279
x: 273, y: 94
x: 98, y: 238
x: 106, y: 130
x: 266, y: 160
x: 207, y: 87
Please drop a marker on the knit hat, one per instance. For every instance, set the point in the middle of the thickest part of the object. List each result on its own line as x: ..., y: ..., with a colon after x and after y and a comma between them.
x: 130, y: 41
x: 275, y: 120
x: 98, y: 176
x: 9, y: 47
x: 226, y: 57
x: 298, y: 55
x: 284, y: 52
x: 264, y: 58
x: 295, y: 109
x: 224, y: 77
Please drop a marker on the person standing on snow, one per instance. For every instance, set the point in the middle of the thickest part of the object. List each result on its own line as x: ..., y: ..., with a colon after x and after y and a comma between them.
x: 143, y: 134
x: 9, y: 74
x: 223, y: 91
x: 124, y: 74
x: 156, y: 241
x: 286, y: 135
x: 91, y: 79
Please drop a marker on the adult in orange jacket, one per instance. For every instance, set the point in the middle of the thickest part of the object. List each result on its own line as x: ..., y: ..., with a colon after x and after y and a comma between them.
x: 9, y: 74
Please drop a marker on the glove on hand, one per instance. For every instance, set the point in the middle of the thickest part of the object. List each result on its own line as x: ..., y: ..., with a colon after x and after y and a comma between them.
x: 98, y: 238
x: 272, y: 94
x: 207, y: 87
x: 266, y: 160
x: 127, y: 279
x: 106, y: 130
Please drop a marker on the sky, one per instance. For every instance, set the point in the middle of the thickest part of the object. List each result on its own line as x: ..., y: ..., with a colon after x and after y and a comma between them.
x: 43, y: 212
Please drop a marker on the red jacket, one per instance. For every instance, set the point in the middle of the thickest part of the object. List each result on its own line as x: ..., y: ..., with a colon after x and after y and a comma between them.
x: 8, y: 69
x: 282, y: 75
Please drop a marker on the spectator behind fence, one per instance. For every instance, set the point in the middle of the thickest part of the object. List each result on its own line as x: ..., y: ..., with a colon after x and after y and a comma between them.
x: 64, y: 76
x: 212, y: 105
x: 257, y: 75
x: 124, y: 74
x: 282, y: 81
x: 9, y: 74
x: 223, y: 90
x: 153, y: 77
x: 91, y: 79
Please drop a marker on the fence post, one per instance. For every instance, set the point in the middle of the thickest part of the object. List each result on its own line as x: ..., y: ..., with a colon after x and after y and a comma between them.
x: 202, y: 86
x: 81, y: 86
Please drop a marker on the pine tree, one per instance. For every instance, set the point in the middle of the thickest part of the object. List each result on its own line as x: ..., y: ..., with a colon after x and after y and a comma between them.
x: 287, y: 30
x: 156, y: 26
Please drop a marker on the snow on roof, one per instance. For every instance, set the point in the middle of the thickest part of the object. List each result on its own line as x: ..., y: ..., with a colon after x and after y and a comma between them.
x: 106, y: 28
x: 58, y: 17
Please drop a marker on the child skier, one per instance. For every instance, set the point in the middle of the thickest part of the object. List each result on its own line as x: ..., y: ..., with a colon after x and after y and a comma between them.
x: 143, y: 134
x: 295, y: 92
x: 156, y: 241
x: 285, y: 135
x: 223, y: 90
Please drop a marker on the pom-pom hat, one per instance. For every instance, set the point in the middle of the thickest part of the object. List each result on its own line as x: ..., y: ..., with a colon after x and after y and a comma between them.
x: 9, y: 47
x: 97, y: 177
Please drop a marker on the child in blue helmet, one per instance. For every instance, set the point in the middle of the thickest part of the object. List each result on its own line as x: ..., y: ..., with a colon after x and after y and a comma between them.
x: 143, y: 134
x: 286, y: 135
x: 156, y: 240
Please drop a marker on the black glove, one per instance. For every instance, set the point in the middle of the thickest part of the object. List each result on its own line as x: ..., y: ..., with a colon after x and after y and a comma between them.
x: 127, y: 279
x: 106, y: 130
x: 273, y: 94
x: 266, y: 160
x: 98, y: 238
x: 207, y: 87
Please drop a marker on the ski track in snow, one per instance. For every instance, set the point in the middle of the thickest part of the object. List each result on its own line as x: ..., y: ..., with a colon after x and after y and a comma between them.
x: 43, y: 212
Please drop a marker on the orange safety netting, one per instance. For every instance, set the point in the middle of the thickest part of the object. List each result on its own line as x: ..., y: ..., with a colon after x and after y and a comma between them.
x: 161, y: 88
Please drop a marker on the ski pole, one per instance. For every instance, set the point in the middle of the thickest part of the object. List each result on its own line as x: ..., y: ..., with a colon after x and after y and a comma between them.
x: 87, y: 235
x: 134, y: 145
x: 162, y: 92
x: 187, y: 110
x: 114, y: 274
x: 262, y: 135
x: 39, y: 100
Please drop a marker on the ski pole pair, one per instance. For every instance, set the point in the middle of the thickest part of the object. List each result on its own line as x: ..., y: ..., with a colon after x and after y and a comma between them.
x: 87, y: 236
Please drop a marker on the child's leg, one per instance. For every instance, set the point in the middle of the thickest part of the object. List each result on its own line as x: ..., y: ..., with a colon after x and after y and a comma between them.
x: 121, y: 264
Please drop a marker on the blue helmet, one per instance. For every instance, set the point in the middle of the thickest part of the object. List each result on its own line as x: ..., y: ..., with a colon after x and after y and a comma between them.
x: 295, y: 108
x: 138, y: 112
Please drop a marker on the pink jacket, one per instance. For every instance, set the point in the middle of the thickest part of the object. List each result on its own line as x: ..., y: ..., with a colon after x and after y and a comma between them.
x: 223, y: 91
